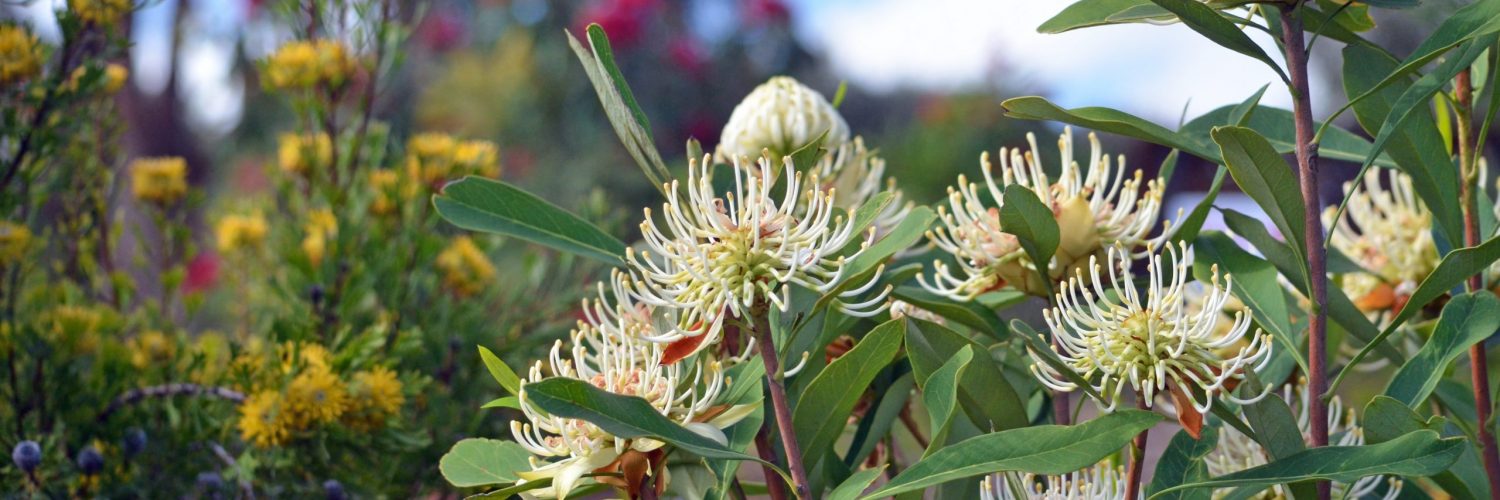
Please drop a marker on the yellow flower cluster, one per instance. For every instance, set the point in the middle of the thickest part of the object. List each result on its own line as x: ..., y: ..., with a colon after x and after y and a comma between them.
x: 303, y: 65
x: 237, y: 232
x: 113, y: 79
x: 386, y: 185
x: 318, y: 396
x: 466, y: 269
x: 75, y: 328
x: 99, y: 12
x: 304, y: 154
x: 152, y: 348
x: 20, y: 54
x: 14, y: 238
x: 321, y: 225
x: 433, y: 158
x: 159, y: 180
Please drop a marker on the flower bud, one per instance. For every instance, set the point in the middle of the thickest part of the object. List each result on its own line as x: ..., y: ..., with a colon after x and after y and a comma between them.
x: 90, y: 461
x: 27, y: 455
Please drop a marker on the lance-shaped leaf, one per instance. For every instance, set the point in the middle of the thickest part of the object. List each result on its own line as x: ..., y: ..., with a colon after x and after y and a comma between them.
x: 1107, y: 120
x: 1031, y: 222
x: 1386, y: 419
x: 1213, y: 26
x: 1277, y: 127
x: 1182, y: 462
x: 1474, y: 20
x: 1041, y: 449
x: 491, y: 206
x: 1420, y: 453
x: 940, y: 396
x: 1087, y: 13
x: 1466, y: 320
x: 856, y: 484
x: 1263, y: 174
x: 623, y: 416
x: 969, y: 314
x: 1190, y: 226
x: 624, y: 114
x: 500, y: 371
x: 481, y: 462
x: 984, y: 393
x: 824, y: 407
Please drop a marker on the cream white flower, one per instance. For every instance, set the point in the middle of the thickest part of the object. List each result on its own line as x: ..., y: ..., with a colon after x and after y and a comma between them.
x: 1100, y: 482
x: 858, y: 174
x: 1149, y: 338
x: 781, y: 115
x: 1388, y: 231
x: 607, y: 352
x: 1237, y: 452
x: 721, y: 256
x: 1094, y: 210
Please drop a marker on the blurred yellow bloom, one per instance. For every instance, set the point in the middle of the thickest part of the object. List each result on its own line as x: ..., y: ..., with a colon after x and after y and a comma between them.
x: 151, y: 347
x: 304, y: 154
x: 466, y: 269
x: 375, y: 395
x: 477, y: 157
x: 159, y: 180
x: 114, y: 77
x: 303, y: 356
x: 384, y: 183
x: 75, y: 328
x: 20, y: 54
x: 14, y: 238
x: 302, y: 65
x: 236, y: 232
x: 433, y: 158
x: 213, y: 349
x: 99, y: 12
x: 316, y: 396
x: 321, y: 224
x: 264, y: 420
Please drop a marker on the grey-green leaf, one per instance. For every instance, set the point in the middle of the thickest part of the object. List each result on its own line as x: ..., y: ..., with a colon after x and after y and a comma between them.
x: 1025, y: 216
x: 856, y: 484
x: 1086, y: 13
x: 940, y: 396
x: 1107, y: 120
x: 492, y: 206
x: 1264, y: 175
x: 1466, y: 320
x: 502, y: 372
x: 481, y: 462
x: 1213, y: 26
x: 987, y: 397
x: 824, y: 406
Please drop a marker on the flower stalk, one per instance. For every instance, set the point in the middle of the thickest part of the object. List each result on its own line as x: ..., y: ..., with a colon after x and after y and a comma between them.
x: 761, y: 329
x: 1137, y: 453
x: 1468, y: 161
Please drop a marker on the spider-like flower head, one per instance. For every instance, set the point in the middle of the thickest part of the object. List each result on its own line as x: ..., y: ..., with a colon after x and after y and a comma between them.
x: 1103, y: 481
x: 1093, y: 209
x: 780, y: 116
x: 1237, y: 452
x: 858, y: 174
x: 1388, y: 231
x: 1149, y: 339
x: 565, y: 449
x: 721, y: 256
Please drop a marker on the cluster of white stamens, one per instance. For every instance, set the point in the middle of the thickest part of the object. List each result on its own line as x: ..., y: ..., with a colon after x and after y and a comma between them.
x: 1387, y: 231
x: 1100, y: 482
x: 858, y: 174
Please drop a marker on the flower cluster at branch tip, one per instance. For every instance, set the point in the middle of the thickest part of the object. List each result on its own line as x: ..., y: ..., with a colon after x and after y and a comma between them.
x: 316, y: 395
x: 1388, y: 232
x: 1094, y: 209
x: 152, y: 347
x: 721, y: 256
x: 241, y: 232
x: 304, y: 154
x: 1150, y: 340
x: 305, y: 65
x: 608, y: 350
x: 99, y: 12
x: 1103, y: 481
x: 162, y: 181
x: 14, y: 240
x: 466, y: 269
x: 20, y: 54
x: 780, y: 116
x: 1237, y: 452
x: 433, y: 158
x: 386, y: 186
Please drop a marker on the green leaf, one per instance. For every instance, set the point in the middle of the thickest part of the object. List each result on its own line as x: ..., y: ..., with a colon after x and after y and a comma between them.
x: 969, y: 314
x: 1182, y: 462
x: 1038, y: 344
x: 1262, y: 173
x: 1024, y: 215
x: 1474, y: 20
x: 856, y: 484
x: 1042, y: 449
x: 1275, y: 427
x: 1087, y: 13
x: 824, y: 407
x: 1240, y: 114
x: 876, y: 424
x: 492, y: 206
x: 987, y: 397
x: 1254, y: 284
x: 1189, y: 228
x: 1213, y: 26
x: 1386, y: 419
x: 940, y: 396
x: 861, y: 268
x: 599, y: 41
x: 1420, y: 453
x: 1277, y: 127
x: 502, y: 372
x: 505, y: 402
x: 740, y: 435
x: 1466, y: 320
x: 1106, y: 120
x: 623, y: 416
x: 480, y: 462
x: 625, y: 116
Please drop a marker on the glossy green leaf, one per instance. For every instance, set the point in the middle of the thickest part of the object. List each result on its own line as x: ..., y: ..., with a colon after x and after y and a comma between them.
x: 1474, y: 20
x: 739, y: 435
x: 492, y: 206
x: 1025, y: 216
x: 1107, y: 120
x: 856, y: 484
x: 1420, y: 453
x: 505, y: 402
x: 1385, y: 419
x: 1087, y: 13
x: 502, y: 372
x: 625, y: 115
x: 823, y: 409
x: 877, y: 423
x: 1038, y: 344
x: 1213, y: 26
x: 860, y: 269
x: 1182, y: 462
x: 1466, y: 320
x: 1277, y: 127
x: 984, y: 393
x: 1042, y: 449
x: 481, y: 462
x: 940, y: 396
x: 970, y: 314
x: 1264, y: 175
x: 622, y: 416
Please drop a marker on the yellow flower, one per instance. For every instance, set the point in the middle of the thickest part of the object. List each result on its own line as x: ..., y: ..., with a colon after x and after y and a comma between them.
x: 384, y: 183
x: 264, y: 421
x: 151, y: 348
x: 14, y: 238
x: 316, y: 396
x: 321, y: 224
x: 466, y: 269
x: 375, y: 395
x: 303, y: 356
x: 99, y: 12
x: 304, y: 154
x: 213, y: 350
x: 304, y: 65
x: 159, y: 180
x: 114, y: 77
x: 429, y: 157
x: 237, y: 232
x: 20, y: 54
x: 476, y: 157
x: 75, y: 328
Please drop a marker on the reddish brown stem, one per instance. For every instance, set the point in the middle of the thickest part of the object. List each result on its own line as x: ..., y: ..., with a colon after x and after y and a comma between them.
x: 1317, y: 261
x: 775, y: 487
x: 761, y: 329
x: 1137, y: 455
x: 1463, y: 97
